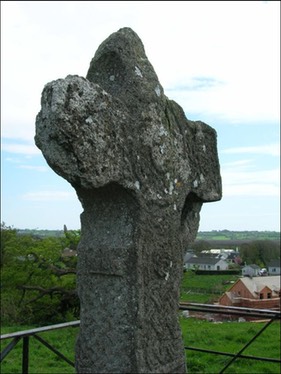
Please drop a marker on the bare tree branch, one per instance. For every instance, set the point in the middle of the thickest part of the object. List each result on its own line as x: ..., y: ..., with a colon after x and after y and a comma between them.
x: 50, y: 291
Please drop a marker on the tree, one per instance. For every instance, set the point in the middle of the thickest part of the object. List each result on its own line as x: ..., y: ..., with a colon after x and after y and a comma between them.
x: 260, y: 252
x: 38, y: 283
x: 8, y: 236
x: 201, y: 245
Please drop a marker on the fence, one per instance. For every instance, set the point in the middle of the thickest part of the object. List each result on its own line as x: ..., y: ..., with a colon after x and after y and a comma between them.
x: 25, y: 336
x: 270, y: 315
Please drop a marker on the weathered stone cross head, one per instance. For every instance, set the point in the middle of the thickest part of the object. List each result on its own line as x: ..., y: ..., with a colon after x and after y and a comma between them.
x: 141, y: 171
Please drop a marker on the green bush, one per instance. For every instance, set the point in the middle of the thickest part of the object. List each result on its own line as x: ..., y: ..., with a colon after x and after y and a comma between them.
x: 38, y: 284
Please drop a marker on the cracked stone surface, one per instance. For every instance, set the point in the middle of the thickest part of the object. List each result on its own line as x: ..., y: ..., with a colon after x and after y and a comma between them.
x: 141, y: 171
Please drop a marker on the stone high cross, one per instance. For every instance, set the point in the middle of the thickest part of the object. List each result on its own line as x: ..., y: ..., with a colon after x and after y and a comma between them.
x: 141, y: 171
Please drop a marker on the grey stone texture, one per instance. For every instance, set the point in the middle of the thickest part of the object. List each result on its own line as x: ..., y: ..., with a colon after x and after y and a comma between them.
x: 141, y: 171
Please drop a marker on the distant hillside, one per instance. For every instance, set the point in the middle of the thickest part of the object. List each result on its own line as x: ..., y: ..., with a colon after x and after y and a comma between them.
x: 41, y: 233
x: 233, y: 237
x: 214, y: 236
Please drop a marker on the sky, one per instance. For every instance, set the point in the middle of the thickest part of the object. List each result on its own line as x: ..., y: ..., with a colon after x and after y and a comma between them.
x: 219, y: 60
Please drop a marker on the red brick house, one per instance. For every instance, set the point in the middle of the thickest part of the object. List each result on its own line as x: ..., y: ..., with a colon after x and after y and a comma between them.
x: 256, y: 292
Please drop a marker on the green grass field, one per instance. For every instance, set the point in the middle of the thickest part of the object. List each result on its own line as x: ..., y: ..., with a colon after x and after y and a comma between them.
x: 204, y: 288
x: 224, y: 337
x: 230, y: 337
x: 41, y: 359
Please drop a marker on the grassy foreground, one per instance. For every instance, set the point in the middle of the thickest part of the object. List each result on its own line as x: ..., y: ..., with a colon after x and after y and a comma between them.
x: 41, y: 359
x: 224, y: 337
x: 230, y: 337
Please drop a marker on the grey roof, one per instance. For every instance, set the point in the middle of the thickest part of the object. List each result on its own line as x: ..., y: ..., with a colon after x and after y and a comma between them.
x: 203, y: 260
x: 253, y: 266
x: 187, y: 256
x: 256, y: 284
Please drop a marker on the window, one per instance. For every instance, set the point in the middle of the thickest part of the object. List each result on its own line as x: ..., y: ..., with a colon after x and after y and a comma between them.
x: 261, y: 296
x: 269, y: 295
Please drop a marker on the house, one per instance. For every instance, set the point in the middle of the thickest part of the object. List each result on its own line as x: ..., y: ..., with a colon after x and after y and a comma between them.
x: 251, y: 270
x: 206, y: 263
x: 188, y: 255
x: 225, y: 254
x: 257, y: 292
x: 234, y: 257
x: 273, y: 267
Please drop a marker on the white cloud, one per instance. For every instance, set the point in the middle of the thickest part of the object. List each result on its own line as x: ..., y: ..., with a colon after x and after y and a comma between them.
x: 268, y: 149
x: 50, y: 196
x: 13, y: 160
x: 183, y: 43
x: 258, y: 190
x: 240, y: 163
x: 195, y: 84
x: 244, y: 182
x: 26, y: 149
x: 34, y: 168
x: 218, y: 60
